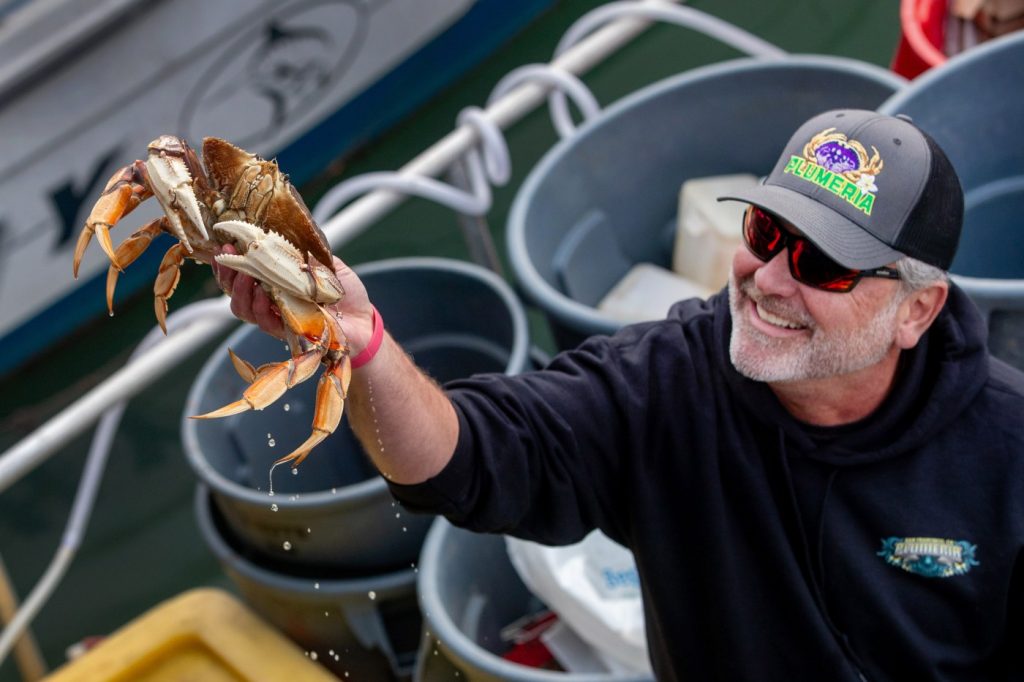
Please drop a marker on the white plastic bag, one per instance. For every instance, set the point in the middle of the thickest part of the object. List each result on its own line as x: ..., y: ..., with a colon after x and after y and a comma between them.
x: 594, y: 588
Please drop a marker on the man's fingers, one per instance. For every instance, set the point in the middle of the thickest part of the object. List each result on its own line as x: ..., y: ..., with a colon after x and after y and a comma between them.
x: 266, y: 314
x: 242, y: 291
x: 225, y: 276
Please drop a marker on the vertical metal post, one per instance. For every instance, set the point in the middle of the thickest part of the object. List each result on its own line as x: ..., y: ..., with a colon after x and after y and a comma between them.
x: 475, y: 229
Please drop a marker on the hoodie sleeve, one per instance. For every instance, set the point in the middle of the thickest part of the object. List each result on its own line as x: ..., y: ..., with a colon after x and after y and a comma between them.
x: 539, y: 455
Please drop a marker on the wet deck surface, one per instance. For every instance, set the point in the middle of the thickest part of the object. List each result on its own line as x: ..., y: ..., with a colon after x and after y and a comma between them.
x: 142, y: 545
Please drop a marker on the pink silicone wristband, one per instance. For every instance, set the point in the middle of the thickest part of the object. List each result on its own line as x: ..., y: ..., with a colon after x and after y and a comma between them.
x: 375, y: 339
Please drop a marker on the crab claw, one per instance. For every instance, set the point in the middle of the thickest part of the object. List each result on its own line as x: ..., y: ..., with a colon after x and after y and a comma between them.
x: 270, y: 383
x: 269, y: 257
x: 330, y: 403
x: 171, y: 182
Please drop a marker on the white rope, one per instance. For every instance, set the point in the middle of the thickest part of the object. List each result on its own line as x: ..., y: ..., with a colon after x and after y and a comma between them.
x: 566, y: 84
x: 487, y: 163
x: 476, y: 202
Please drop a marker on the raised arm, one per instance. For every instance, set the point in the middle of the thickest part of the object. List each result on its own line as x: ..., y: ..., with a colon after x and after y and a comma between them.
x: 401, y: 416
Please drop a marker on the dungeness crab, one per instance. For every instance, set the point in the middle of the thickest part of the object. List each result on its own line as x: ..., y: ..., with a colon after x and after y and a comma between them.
x: 243, y: 200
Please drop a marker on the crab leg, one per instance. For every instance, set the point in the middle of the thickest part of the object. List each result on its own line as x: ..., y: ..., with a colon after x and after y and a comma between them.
x: 128, y: 251
x: 243, y: 367
x: 270, y: 383
x: 124, y: 191
x: 330, y: 403
x: 331, y: 390
x: 167, y: 280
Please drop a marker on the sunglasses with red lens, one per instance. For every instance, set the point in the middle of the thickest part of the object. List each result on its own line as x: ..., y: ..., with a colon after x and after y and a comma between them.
x: 766, y: 237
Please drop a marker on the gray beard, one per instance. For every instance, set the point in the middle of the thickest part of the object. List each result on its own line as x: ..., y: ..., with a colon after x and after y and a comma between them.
x: 765, y: 358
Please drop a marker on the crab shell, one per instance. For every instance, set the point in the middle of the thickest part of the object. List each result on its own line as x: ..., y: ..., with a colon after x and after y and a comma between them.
x: 233, y: 171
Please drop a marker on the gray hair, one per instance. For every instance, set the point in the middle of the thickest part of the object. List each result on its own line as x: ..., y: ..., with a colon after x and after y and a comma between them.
x: 915, y: 274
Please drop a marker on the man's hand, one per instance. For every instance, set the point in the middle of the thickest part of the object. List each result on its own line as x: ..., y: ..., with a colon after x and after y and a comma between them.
x: 390, y: 400
x: 250, y: 303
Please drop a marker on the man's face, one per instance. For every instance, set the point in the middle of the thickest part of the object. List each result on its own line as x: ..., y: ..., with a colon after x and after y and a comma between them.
x: 783, y: 330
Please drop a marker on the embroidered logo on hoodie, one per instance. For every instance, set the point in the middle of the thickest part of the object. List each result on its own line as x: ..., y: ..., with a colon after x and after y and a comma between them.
x: 930, y: 557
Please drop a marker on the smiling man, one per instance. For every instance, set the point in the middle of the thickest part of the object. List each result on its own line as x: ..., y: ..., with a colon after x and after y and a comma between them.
x: 832, y: 360
x: 820, y: 470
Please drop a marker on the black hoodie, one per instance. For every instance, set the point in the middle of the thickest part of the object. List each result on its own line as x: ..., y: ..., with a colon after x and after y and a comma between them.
x: 889, y: 549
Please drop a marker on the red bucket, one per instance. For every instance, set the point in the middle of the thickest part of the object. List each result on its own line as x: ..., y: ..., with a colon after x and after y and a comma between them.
x: 923, y: 26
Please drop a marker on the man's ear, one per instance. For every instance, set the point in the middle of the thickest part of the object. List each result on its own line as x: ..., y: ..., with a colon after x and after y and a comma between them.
x: 918, y: 312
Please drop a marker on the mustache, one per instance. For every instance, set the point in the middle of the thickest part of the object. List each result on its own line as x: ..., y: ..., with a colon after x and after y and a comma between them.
x: 774, y: 304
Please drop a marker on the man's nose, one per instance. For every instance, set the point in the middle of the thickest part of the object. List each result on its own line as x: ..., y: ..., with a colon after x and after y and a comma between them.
x: 774, y: 277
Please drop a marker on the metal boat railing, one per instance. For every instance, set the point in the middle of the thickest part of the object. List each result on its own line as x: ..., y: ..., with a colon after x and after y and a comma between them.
x: 477, y: 142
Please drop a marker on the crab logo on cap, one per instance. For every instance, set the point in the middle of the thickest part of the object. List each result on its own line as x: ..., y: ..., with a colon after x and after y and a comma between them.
x: 841, y: 166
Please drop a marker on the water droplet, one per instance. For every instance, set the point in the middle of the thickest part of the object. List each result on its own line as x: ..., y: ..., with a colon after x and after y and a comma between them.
x: 287, y: 407
x: 287, y: 546
x: 326, y: 613
x: 308, y: 531
x: 271, y: 442
x: 295, y: 471
x: 372, y: 595
x: 273, y: 507
x: 398, y: 516
x: 268, y: 435
x: 404, y: 529
x: 312, y: 654
x: 316, y: 586
x: 270, y: 475
x: 330, y: 652
x: 334, y: 491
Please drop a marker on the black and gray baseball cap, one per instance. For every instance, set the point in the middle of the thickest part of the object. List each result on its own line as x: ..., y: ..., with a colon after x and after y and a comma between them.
x: 867, y: 189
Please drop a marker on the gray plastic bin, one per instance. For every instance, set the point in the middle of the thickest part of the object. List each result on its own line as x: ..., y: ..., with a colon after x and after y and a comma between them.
x: 361, y: 628
x: 606, y: 198
x: 454, y: 318
x: 468, y: 591
x: 973, y: 105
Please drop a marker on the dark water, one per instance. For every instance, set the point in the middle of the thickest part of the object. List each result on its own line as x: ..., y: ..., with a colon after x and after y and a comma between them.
x: 142, y: 545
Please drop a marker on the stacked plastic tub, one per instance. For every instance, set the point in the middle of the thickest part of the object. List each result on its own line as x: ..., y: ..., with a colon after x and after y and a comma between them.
x: 470, y: 591
x: 606, y: 198
x: 973, y: 105
x: 329, y: 558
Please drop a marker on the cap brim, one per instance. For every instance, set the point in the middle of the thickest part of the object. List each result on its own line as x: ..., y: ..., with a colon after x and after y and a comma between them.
x: 843, y: 240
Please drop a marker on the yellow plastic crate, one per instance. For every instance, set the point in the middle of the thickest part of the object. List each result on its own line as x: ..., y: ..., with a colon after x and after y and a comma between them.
x: 203, y: 634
